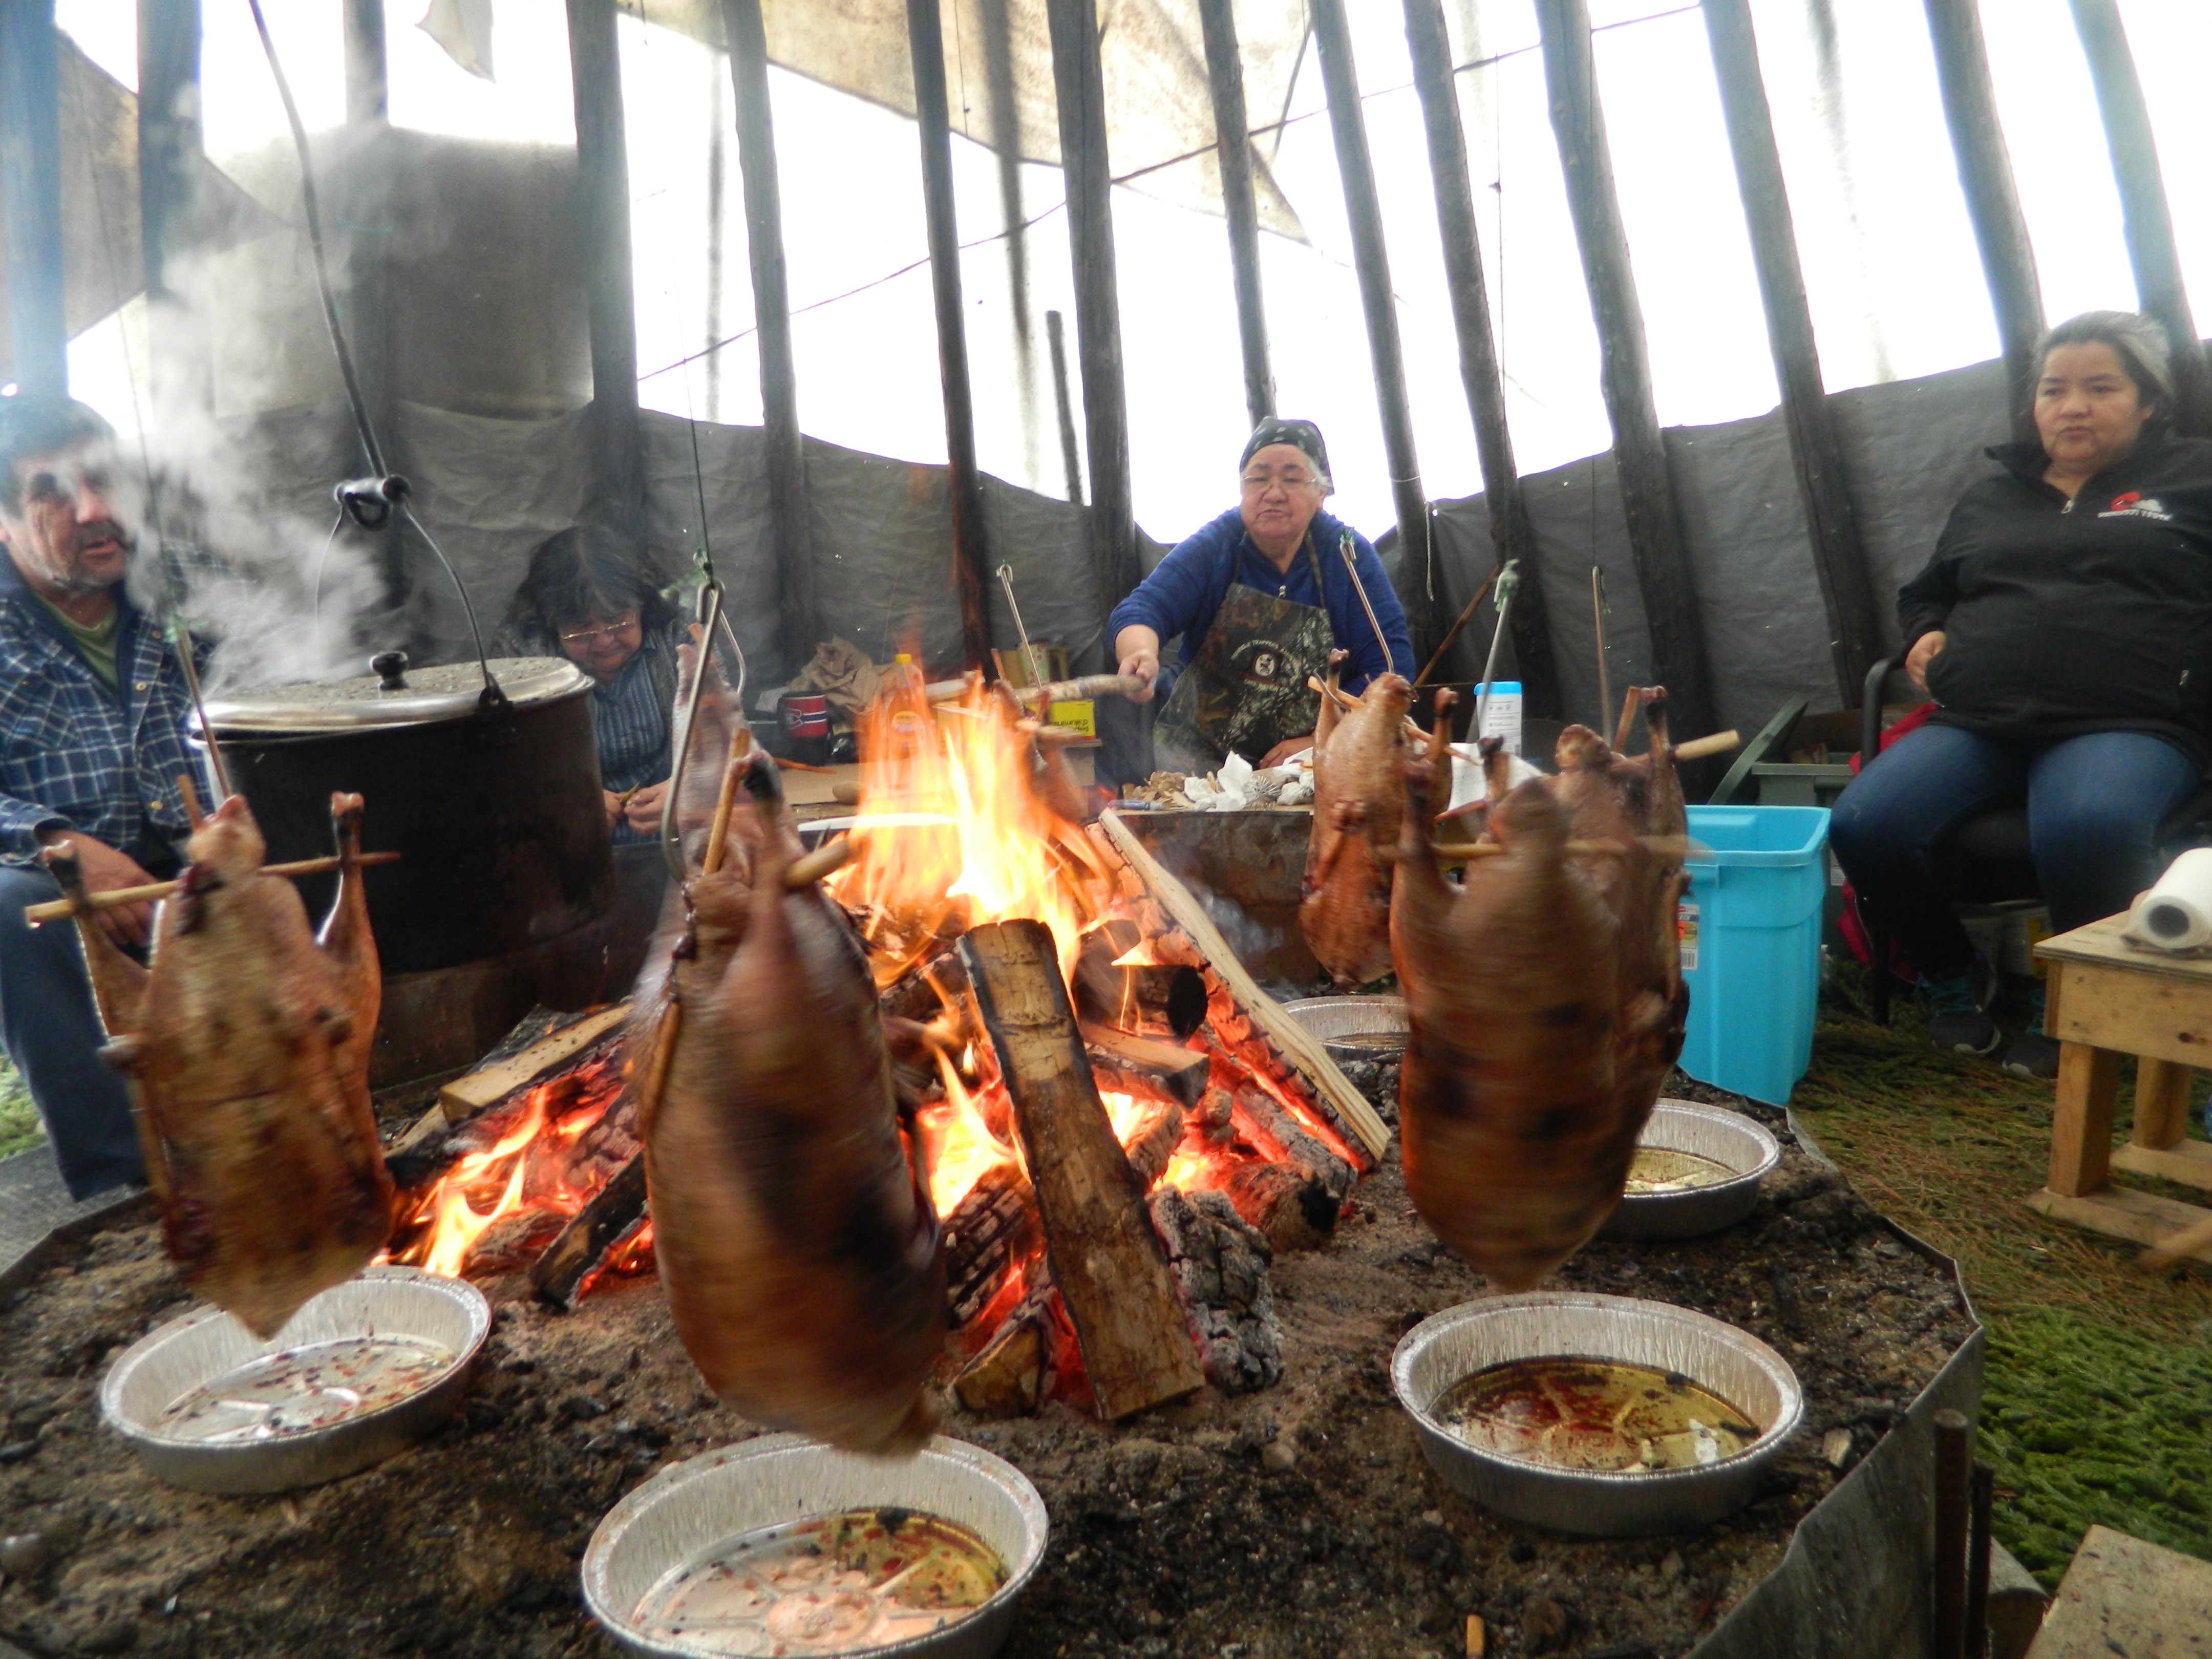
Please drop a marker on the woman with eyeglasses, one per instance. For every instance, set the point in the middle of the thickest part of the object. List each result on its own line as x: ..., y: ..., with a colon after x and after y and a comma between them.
x: 1260, y: 596
x: 589, y: 598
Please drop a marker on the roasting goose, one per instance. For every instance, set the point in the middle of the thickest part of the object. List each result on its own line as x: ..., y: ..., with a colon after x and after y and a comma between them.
x: 245, y: 1041
x: 1359, y: 795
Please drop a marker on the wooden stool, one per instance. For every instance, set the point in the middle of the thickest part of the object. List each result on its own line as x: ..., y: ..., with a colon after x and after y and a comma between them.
x: 2108, y: 998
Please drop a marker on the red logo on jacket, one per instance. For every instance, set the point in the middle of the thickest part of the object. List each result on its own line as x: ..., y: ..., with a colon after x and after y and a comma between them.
x: 2121, y: 503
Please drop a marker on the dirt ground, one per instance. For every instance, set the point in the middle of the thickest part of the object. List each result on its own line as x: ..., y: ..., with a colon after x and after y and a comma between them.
x: 1299, y: 1522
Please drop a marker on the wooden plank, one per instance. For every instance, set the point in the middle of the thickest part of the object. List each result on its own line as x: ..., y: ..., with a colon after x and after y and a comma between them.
x: 1298, y: 1046
x: 2106, y: 941
x: 799, y: 624
x: 1511, y: 533
x: 1371, y: 262
x: 472, y: 1093
x: 1106, y: 1258
x: 1970, y: 110
x: 615, y: 494
x: 970, y: 560
x: 1079, y: 86
x: 1647, y: 489
x: 2161, y: 1104
x: 2135, y: 1013
x: 1840, y: 559
x: 2122, y: 1596
x: 1176, y: 1072
x: 2124, y: 1213
x: 2081, y: 1123
x: 1232, y: 138
x: 2146, y: 221
x: 2190, y: 1162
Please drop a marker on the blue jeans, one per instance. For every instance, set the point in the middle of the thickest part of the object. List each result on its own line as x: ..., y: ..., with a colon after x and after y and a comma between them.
x: 2094, y: 808
x: 52, y: 1034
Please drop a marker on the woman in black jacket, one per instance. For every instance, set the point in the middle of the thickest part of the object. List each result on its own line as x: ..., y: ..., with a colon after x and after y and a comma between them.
x: 2063, y: 628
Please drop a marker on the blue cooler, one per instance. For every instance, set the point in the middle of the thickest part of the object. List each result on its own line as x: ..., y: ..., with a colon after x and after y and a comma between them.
x: 1751, y: 946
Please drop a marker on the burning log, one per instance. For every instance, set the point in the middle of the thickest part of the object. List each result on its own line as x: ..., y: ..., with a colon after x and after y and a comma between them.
x: 1282, y: 1203
x: 993, y: 1227
x: 1166, y: 1068
x: 1280, y: 1136
x: 1149, y: 1150
x: 1298, y: 1049
x: 1106, y: 1258
x: 920, y: 992
x: 1007, y: 1378
x: 614, y: 1214
x: 556, y: 1051
x: 1134, y: 997
x: 1220, y: 1266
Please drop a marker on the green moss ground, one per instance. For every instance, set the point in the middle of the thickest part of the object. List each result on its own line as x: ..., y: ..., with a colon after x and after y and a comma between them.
x: 2098, y: 1405
x: 19, y: 1119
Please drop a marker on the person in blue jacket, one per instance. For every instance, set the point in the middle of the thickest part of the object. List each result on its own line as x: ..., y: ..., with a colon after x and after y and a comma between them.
x: 1260, y: 597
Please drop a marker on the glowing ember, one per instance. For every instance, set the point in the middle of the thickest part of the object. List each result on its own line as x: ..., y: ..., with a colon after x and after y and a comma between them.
x: 559, y: 1148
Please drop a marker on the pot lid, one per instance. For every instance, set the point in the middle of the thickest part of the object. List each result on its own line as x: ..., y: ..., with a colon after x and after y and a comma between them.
x: 450, y: 691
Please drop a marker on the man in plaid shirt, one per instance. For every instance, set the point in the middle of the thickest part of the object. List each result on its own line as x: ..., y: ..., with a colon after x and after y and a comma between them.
x: 93, y: 712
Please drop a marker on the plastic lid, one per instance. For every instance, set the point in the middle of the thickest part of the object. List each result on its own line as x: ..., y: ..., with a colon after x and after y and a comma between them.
x: 1496, y: 686
x: 451, y: 691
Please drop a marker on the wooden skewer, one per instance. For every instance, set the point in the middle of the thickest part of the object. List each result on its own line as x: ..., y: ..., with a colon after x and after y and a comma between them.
x: 1665, y: 846
x: 2175, y: 1246
x: 193, y: 816
x: 1718, y: 743
x: 825, y: 860
x: 1089, y: 687
x: 116, y: 897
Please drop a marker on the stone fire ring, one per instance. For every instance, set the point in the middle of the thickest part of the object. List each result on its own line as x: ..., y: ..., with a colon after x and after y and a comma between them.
x: 692, y: 1506
x: 1447, y: 1347
x: 198, y: 1348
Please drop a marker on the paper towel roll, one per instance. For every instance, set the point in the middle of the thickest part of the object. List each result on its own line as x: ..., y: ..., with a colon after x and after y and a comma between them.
x: 2176, y: 913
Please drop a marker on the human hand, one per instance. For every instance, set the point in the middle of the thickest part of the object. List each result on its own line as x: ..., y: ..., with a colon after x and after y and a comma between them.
x: 615, y: 804
x: 1282, y: 751
x: 1139, y: 648
x: 1923, y: 652
x: 128, y: 926
x: 643, y: 812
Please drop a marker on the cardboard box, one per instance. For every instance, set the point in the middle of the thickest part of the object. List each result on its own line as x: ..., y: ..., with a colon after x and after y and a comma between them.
x: 1080, y: 717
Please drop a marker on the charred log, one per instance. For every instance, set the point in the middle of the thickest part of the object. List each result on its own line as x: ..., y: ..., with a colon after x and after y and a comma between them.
x: 994, y: 1226
x: 1137, y: 997
x: 1284, y: 1204
x: 923, y: 990
x: 1155, y: 1142
x: 1166, y: 1068
x: 614, y: 1213
x: 1220, y: 1266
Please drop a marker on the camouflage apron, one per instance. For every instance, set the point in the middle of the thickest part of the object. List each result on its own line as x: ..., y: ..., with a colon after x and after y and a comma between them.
x: 1246, y: 689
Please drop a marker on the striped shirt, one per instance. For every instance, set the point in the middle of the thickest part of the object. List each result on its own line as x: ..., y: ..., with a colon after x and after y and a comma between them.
x: 630, y: 719
x: 76, y: 753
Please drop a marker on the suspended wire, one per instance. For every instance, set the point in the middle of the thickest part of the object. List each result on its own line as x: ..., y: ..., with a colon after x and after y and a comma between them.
x: 1283, y: 124
x: 314, y: 216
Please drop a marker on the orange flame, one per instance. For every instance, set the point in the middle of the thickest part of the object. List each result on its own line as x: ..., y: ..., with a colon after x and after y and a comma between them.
x: 998, y: 854
x: 458, y: 1224
x: 962, y: 1148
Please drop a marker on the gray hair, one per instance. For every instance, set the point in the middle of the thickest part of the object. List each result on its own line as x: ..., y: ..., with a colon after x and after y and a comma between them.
x: 2137, y: 341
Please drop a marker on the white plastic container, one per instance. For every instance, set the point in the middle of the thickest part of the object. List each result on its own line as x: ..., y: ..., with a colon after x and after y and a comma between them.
x: 1501, y: 714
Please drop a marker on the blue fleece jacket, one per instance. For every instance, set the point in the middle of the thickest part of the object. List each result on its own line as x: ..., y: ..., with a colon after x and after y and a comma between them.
x: 1184, y: 592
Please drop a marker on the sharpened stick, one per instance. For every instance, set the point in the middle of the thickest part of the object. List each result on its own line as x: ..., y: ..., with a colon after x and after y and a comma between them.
x: 1664, y: 846
x: 809, y: 868
x: 741, y: 743
x: 2175, y: 1246
x: 1088, y: 688
x: 1597, y: 627
x: 116, y: 897
x: 1457, y: 627
x: 1629, y: 705
x: 1718, y: 743
x: 193, y: 816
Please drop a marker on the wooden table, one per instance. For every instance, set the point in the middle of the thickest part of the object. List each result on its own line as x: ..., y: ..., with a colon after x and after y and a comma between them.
x: 2108, y: 998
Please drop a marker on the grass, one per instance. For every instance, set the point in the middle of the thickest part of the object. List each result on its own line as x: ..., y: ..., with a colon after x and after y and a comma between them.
x: 19, y: 1119
x: 2099, y: 1402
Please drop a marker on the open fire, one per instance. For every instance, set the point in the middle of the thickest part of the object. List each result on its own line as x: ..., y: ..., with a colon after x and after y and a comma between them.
x: 968, y: 819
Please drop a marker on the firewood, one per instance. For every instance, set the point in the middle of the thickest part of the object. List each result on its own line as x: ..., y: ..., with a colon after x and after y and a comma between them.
x: 466, y: 1096
x: 1136, y: 998
x: 1007, y: 1378
x: 921, y: 992
x: 1106, y: 1258
x: 1220, y: 1266
x: 1282, y: 1203
x: 1297, y: 1046
x: 1171, y: 1069
x: 615, y: 1211
x: 994, y: 1226
x: 1282, y: 1136
x: 1155, y: 1142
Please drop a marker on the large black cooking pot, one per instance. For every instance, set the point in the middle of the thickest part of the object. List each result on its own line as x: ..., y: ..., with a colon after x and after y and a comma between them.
x: 496, y: 813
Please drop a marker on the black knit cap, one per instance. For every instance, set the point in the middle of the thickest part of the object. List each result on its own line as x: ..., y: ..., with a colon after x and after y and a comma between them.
x: 1303, y: 435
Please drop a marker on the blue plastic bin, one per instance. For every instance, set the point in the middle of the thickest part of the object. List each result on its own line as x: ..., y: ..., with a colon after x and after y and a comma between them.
x: 1751, y: 946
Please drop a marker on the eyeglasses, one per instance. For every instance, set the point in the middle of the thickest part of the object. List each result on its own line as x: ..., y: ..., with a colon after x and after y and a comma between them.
x: 1263, y: 480
x: 608, y: 635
